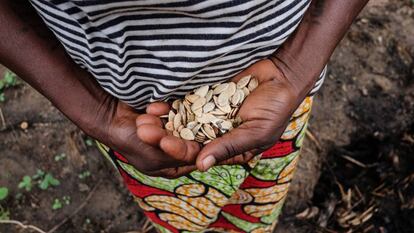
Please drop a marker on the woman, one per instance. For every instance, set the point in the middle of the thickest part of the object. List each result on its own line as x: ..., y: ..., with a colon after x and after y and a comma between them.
x: 128, y: 58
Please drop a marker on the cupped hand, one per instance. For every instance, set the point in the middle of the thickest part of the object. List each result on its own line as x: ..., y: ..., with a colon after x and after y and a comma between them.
x: 265, y: 114
x: 121, y: 135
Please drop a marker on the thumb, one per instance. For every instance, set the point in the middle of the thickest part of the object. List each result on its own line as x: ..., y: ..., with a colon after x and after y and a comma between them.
x: 235, y: 142
x: 158, y: 108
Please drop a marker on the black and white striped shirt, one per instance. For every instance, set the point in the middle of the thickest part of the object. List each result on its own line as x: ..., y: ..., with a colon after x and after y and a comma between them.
x: 146, y: 50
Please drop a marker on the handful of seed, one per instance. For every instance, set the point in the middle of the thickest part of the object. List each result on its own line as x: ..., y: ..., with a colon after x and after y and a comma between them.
x: 209, y: 112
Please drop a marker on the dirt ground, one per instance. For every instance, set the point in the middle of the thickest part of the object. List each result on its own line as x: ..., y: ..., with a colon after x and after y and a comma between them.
x: 356, y: 173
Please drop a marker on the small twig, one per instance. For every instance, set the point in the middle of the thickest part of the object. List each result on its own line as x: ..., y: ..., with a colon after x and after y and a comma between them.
x: 401, y: 196
x: 147, y: 226
x: 367, y: 212
x: 357, y: 203
x: 369, y: 228
x: 349, y: 199
x: 358, y: 192
x: 378, y: 194
x: 24, y: 226
x: 354, y: 161
x: 312, y: 137
x: 3, y: 121
x: 80, y: 207
x: 341, y: 189
x: 379, y: 187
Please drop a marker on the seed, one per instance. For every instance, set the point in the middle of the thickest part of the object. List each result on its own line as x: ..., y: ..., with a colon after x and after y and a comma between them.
x: 176, y: 104
x: 177, y: 120
x: 206, y: 118
x: 187, y: 134
x: 218, y: 112
x: 199, y: 103
x: 252, y: 84
x: 198, y: 112
x: 181, y: 108
x: 231, y: 89
x: 246, y: 91
x: 208, y: 131
x: 223, y: 99
x: 243, y: 81
x: 208, y: 107
x: 171, y: 116
x: 207, y: 142
x: 191, y: 124
x: 196, y: 129
x: 223, y: 117
x: 200, y: 137
x: 169, y: 126
x: 225, y: 108
x: 190, y: 116
x: 187, y: 106
x: 215, y: 85
x: 209, y: 95
x: 233, y: 113
x: 226, y: 125
x: 183, y: 113
x: 235, y: 99
x: 220, y: 88
x: 181, y: 127
x: 24, y: 125
x: 242, y: 96
x: 202, y: 91
x: 192, y: 98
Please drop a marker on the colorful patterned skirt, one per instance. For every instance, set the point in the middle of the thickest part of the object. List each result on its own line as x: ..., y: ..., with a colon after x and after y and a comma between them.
x: 227, y: 198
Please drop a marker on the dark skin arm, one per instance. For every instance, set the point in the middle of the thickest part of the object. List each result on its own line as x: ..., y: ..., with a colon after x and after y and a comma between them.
x: 305, y: 53
x: 284, y: 81
x: 36, y: 56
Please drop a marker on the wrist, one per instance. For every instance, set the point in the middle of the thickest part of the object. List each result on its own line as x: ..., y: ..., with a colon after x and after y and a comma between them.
x: 301, y: 77
x: 95, y: 115
x: 81, y: 99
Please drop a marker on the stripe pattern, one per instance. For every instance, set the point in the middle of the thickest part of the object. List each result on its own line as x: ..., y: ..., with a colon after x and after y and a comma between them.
x: 142, y: 51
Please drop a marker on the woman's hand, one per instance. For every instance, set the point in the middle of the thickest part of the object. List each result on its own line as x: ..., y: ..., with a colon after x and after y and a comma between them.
x: 119, y: 124
x: 265, y: 114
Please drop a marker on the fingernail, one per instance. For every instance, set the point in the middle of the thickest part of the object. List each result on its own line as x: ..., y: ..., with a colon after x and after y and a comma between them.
x: 208, y: 162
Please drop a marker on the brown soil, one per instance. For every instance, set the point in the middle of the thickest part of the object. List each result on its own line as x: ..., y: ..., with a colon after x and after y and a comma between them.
x: 364, y: 112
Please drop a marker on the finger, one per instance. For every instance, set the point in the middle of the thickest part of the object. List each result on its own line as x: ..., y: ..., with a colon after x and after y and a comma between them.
x: 151, y: 134
x: 257, y: 71
x: 155, y: 160
x: 173, y: 173
x: 180, y: 149
x: 238, y: 141
x: 238, y: 159
x: 145, y: 119
x: 158, y: 108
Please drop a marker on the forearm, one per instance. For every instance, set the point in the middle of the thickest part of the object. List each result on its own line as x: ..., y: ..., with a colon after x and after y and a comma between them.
x: 44, y: 64
x: 303, y: 56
